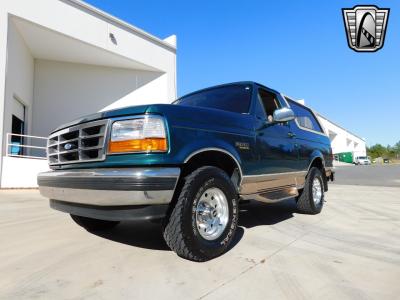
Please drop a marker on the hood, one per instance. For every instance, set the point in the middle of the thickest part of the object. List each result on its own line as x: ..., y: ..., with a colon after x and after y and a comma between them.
x: 178, y: 115
x: 120, y: 112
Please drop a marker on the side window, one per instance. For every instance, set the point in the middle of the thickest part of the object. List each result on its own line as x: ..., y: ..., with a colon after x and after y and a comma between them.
x: 305, y: 118
x: 269, y: 101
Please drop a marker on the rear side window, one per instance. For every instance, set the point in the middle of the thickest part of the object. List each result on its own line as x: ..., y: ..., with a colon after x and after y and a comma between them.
x: 234, y: 98
x: 305, y: 118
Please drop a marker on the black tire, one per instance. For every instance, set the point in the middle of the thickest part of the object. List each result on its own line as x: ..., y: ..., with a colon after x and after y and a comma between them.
x: 305, y: 202
x: 181, y: 232
x: 94, y: 224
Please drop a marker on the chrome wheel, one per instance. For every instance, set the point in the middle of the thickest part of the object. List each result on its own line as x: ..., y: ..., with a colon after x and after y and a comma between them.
x: 212, y: 214
x: 317, y: 191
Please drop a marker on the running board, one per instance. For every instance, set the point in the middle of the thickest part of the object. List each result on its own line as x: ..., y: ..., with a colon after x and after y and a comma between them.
x: 273, y: 194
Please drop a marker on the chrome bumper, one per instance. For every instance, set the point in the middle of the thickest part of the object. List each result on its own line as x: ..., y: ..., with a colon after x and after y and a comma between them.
x: 110, y: 187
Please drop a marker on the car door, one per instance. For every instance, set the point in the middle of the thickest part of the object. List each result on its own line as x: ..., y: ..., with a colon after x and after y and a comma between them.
x: 309, y: 135
x: 273, y: 175
x: 275, y: 151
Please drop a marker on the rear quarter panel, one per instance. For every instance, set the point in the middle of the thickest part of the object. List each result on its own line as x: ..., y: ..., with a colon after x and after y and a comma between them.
x: 310, y: 146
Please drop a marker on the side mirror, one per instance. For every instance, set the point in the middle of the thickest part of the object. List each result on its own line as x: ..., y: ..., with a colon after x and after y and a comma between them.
x: 284, y: 114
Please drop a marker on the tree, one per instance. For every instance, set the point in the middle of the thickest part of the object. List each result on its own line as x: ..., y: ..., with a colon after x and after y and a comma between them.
x: 377, y: 150
x: 396, y: 149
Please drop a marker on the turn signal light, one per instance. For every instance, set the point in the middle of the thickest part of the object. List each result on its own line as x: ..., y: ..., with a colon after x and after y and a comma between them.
x: 140, y: 145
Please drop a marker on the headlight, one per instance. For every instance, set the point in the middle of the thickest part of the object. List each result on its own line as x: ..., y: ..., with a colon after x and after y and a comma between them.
x: 145, y: 134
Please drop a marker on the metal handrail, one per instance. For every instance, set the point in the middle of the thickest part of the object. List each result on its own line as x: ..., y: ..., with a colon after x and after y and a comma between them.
x: 11, y: 144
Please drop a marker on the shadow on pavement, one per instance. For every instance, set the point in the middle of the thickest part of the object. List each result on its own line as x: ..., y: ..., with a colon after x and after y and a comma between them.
x: 148, y: 235
x: 256, y: 213
x: 139, y: 234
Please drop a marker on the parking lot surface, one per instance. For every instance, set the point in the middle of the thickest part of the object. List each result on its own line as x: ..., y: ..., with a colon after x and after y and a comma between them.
x: 349, y: 251
x: 372, y: 175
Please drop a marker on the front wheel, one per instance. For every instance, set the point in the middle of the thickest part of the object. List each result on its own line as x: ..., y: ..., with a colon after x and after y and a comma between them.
x: 93, y: 224
x: 204, y: 219
x: 311, y: 198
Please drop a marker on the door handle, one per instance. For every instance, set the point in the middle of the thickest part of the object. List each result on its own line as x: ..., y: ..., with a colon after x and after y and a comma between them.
x: 291, y: 134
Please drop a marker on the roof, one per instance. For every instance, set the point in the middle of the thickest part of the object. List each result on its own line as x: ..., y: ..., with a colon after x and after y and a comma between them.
x: 227, y: 84
x: 118, y: 22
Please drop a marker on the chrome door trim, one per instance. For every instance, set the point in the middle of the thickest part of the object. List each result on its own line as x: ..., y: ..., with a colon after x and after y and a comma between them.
x: 274, y: 174
x: 256, y: 184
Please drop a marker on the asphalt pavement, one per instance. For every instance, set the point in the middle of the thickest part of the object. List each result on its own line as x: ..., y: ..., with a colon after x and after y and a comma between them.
x: 349, y: 251
x: 372, y: 175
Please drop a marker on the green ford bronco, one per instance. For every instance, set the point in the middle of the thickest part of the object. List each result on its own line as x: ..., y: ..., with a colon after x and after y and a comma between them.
x: 189, y: 164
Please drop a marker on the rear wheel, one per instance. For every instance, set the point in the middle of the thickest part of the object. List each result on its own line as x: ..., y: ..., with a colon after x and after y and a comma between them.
x: 204, y: 219
x: 311, y: 198
x: 94, y: 224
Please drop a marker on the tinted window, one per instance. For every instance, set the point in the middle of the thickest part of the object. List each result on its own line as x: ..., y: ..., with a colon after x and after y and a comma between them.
x: 234, y: 98
x: 305, y: 117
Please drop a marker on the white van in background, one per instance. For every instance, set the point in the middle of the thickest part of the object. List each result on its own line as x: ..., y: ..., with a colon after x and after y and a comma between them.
x: 361, y: 160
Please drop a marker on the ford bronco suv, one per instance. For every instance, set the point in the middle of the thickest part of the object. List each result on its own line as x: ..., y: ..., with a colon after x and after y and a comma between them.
x: 189, y: 163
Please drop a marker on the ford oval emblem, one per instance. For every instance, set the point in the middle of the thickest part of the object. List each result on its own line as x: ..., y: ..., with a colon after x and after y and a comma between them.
x: 68, y: 146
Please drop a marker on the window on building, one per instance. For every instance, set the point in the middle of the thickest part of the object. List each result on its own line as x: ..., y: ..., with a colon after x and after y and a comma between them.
x: 17, y: 128
x: 233, y: 98
x: 305, y: 118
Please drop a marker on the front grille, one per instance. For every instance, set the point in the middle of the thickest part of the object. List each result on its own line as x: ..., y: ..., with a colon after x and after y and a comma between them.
x: 81, y: 143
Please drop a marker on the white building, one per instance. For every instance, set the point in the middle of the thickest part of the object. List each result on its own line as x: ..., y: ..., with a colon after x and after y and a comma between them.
x: 61, y: 59
x: 342, y: 140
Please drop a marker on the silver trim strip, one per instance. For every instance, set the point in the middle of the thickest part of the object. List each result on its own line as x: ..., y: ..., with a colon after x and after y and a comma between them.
x: 107, y: 197
x: 115, y: 173
x: 275, y: 174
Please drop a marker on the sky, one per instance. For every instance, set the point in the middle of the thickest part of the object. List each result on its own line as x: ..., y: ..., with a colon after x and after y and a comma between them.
x: 296, y: 47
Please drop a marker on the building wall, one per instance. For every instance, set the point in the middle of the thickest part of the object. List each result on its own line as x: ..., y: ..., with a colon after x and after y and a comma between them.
x: 58, y: 83
x: 13, y: 177
x: 65, y: 91
x: 343, y: 140
x: 19, y: 81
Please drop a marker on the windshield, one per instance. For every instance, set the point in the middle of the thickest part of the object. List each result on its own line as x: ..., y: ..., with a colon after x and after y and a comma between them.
x: 234, y: 98
x: 362, y: 157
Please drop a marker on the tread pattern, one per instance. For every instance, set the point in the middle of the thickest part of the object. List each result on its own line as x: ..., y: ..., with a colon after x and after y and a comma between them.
x: 305, y: 202
x: 173, y: 232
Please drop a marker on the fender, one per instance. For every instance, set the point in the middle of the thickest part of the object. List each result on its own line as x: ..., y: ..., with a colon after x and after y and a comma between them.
x: 195, y: 148
x: 314, y: 155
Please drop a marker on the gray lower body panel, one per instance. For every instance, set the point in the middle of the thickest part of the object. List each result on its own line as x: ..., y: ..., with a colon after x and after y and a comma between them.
x: 110, y: 187
x: 113, y: 213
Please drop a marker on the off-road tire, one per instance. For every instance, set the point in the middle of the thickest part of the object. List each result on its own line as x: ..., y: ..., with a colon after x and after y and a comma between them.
x: 305, y: 202
x: 180, y: 231
x: 94, y: 224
